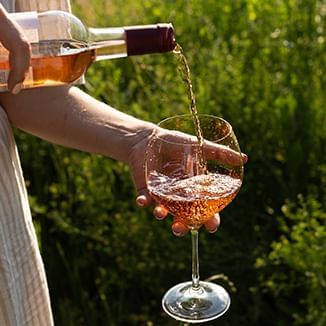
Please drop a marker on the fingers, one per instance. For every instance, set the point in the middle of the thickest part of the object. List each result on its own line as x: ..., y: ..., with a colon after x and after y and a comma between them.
x: 212, y: 225
x: 223, y: 153
x: 179, y: 229
x: 160, y: 212
x: 19, y: 58
x: 142, y: 201
x: 212, y: 150
x: 19, y: 51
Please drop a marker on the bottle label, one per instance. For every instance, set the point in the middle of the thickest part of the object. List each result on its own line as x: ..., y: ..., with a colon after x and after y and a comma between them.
x: 28, y: 21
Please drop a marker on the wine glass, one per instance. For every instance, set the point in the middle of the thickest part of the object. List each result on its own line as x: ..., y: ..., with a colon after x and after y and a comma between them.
x: 194, y: 168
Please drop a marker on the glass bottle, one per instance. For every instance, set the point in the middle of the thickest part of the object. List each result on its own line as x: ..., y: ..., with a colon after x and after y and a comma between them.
x: 63, y: 47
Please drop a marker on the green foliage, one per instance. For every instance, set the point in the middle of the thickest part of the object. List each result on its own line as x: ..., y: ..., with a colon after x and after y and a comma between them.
x: 296, y: 263
x: 258, y: 64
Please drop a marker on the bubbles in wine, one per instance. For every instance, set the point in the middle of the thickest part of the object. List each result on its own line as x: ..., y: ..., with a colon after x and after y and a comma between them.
x: 194, y: 200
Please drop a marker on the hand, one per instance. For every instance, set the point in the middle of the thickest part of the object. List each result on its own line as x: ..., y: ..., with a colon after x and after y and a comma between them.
x: 178, y: 228
x: 13, y: 39
x: 143, y: 199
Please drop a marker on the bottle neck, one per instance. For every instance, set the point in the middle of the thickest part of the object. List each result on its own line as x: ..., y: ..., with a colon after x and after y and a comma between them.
x: 110, y: 43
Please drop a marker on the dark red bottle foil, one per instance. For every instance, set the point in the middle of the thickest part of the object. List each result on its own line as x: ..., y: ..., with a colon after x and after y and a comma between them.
x: 150, y: 39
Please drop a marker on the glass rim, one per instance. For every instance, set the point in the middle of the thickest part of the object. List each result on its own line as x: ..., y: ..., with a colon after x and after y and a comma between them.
x: 230, y: 129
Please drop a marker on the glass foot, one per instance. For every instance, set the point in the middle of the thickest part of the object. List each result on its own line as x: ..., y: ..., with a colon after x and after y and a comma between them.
x: 184, y: 303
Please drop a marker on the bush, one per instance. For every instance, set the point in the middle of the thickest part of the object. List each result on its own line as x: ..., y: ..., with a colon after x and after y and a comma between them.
x: 294, y: 270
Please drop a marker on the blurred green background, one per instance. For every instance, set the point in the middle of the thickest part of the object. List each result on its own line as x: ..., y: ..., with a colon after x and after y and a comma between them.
x: 261, y: 66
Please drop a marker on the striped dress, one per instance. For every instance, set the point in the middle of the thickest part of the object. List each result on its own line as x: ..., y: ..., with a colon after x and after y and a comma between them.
x: 24, y: 295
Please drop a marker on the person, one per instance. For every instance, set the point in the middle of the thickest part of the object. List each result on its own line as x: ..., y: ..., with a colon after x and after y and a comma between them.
x: 70, y: 118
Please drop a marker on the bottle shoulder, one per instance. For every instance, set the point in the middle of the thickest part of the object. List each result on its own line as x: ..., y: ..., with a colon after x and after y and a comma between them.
x: 56, y: 24
x: 51, y: 25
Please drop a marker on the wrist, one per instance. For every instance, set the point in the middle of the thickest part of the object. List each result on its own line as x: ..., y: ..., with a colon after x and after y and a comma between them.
x: 137, y: 142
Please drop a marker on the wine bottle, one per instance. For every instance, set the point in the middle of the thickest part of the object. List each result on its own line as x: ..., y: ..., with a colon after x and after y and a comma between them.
x: 63, y: 47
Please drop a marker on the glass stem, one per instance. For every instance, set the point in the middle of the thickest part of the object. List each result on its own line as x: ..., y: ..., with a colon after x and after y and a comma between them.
x: 195, y: 259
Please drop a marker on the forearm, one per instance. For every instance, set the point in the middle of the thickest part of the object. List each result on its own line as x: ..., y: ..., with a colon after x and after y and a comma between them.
x: 69, y: 117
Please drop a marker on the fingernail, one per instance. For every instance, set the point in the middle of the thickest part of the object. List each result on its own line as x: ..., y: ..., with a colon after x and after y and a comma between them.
x: 178, y: 229
x: 159, y: 217
x: 160, y: 212
x: 244, y: 158
x: 16, y: 89
x: 141, y: 201
x: 177, y: 234
x: 212, y: 231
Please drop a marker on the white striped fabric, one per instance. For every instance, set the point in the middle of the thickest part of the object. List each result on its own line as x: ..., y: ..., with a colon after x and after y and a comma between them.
x: 42, y: 5
x: 24, y: 297
x: 38, y: 5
